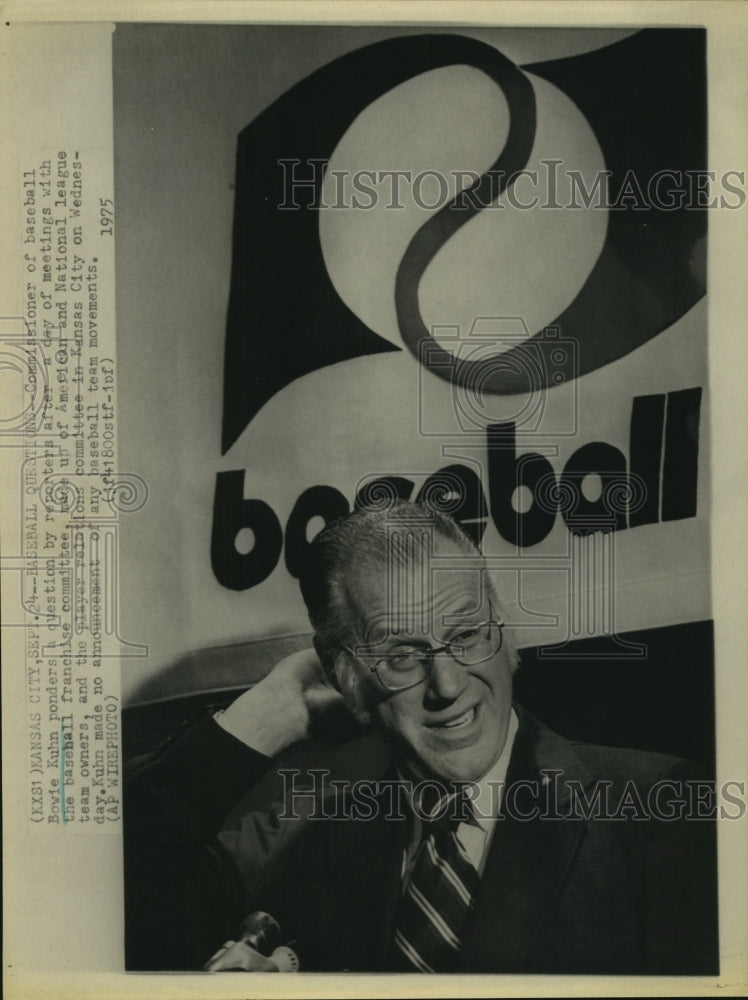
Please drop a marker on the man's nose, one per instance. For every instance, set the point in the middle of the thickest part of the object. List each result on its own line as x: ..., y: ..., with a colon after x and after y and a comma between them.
x: 448, y: 679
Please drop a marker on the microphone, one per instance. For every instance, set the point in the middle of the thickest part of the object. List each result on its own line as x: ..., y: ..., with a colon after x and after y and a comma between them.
x: 256, y: 950
x: 261, y: 932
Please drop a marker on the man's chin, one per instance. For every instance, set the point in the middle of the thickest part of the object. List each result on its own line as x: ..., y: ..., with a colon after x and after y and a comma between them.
x: 455, y: 764
x: 461, y: 770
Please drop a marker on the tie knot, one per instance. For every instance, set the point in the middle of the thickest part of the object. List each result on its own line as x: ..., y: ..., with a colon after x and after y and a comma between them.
x: 440, y: 807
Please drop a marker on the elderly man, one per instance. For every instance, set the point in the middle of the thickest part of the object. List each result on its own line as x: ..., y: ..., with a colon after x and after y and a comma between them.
x: 488, y: 846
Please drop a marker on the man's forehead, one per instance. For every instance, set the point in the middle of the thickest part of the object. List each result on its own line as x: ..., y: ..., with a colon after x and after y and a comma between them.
x: 420, y: 590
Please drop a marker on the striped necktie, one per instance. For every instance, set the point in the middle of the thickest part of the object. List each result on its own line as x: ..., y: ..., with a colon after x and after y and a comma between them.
x: 436, y: 902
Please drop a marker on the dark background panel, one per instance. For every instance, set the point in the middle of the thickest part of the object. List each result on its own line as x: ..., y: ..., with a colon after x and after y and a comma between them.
x: 663, y: 701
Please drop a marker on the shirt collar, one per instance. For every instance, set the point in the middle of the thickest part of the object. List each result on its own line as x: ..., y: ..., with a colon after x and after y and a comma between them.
x: 486, y: 801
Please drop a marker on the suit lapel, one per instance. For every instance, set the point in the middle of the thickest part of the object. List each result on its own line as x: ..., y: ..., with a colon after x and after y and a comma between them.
x: 528, y: 860
x: 367, y: 861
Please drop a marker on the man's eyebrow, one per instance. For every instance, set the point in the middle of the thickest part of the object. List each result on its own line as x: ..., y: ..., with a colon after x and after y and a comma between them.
x: 468, y: 613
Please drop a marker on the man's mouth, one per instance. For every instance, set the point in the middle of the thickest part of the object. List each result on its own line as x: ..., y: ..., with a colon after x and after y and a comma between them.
x: 458, y: 723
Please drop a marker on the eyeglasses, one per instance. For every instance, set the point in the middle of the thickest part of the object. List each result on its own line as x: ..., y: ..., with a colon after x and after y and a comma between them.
x: 409, y: 665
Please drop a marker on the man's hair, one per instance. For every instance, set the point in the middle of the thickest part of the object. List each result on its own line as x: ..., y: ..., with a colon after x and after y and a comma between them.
x: 376, y: 535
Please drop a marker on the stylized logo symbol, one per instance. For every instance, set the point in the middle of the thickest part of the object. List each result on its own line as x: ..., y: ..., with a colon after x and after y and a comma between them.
x: 644, y: 99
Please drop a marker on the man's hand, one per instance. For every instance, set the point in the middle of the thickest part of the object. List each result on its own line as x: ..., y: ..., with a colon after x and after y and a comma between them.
x: 280, y: 709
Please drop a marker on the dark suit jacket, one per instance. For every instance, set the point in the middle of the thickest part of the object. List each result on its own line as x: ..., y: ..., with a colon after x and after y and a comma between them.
x: 571, y: 894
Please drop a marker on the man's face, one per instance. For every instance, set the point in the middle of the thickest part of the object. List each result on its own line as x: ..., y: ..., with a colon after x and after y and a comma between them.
x: 454, y: 724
